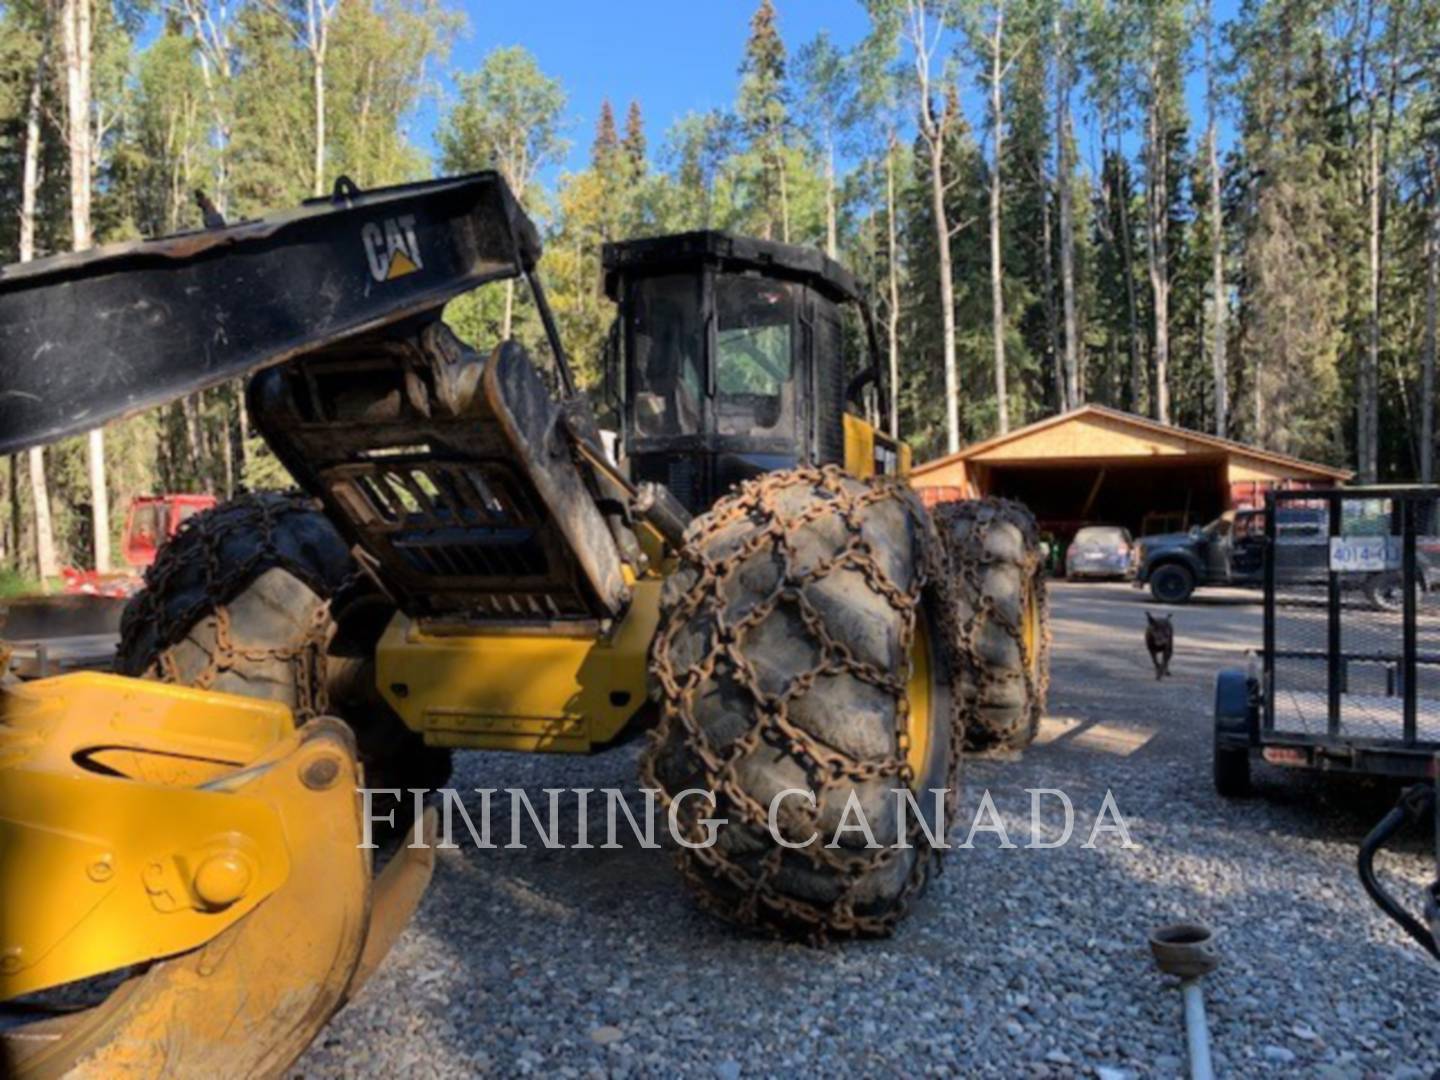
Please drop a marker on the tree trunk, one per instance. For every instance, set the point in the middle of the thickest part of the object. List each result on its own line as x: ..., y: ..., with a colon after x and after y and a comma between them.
x: 997, y: 259
x: 1132, y: 304
x: 100, y: 501
x: 1074, y: 392
x: 12, y: 527
x: 784, y: 200
x: 1157, y: 250
x: 212, y: 37
x: 947, y: 294
x: 44, y: 529
x: 508, y: 318
x: 1432, y: 303
x: 319, y: 83
x: 1221, y: 301
x: 242, y: 427
x: 892, y: 317
x: 317, y: 40
x: 77, y: 37
x: 29, y: 191
x: 1368, y: 426
x: 1054, y: 365
x: 832, y: 241
x: 30, y: 171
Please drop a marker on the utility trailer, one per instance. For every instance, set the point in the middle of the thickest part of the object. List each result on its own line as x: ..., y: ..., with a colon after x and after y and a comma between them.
x: 1340, y: 685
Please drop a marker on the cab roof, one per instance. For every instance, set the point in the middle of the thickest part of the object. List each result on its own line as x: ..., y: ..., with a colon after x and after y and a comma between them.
x: 684, y: 251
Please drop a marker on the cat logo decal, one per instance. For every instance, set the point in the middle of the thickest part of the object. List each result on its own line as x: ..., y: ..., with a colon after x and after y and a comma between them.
x: 391, y: 247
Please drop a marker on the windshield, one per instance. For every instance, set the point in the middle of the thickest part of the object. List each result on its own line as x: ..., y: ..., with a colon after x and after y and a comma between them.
x: 147, y: 524
x: 1102, y: 536
x: 754, y: 360
x: 667, y: 344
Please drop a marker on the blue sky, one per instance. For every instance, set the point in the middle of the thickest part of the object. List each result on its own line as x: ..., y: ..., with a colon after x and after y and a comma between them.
x: 673, y: 57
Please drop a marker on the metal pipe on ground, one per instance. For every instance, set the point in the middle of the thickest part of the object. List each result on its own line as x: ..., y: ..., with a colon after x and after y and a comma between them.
x: 1187, y: 950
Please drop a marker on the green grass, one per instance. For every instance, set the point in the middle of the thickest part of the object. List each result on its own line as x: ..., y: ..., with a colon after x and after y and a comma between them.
x: 13, y: 583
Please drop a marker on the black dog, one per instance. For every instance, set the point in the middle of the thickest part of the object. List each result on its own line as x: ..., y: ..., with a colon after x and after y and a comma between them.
x: 1160, y: 640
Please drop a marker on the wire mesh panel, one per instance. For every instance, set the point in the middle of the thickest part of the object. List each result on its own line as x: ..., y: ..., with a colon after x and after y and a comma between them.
x: 1352, y: 615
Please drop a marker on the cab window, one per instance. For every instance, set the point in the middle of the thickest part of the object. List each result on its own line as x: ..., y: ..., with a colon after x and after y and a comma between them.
x: 754, y: 355
x: 667, y: 343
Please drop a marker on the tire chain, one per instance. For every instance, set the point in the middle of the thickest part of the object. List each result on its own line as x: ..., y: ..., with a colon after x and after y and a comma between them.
x: 223, y: 583
x: 969, y: 555
x: 764, y: 906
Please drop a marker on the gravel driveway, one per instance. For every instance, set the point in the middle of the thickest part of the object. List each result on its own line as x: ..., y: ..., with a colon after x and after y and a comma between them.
x: 1016, y: 962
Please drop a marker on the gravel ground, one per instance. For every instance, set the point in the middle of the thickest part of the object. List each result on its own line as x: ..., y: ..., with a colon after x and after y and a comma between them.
x: 1016, y: 962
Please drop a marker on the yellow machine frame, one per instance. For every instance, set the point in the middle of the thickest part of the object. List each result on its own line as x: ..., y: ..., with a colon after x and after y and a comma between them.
x: 567, y: 688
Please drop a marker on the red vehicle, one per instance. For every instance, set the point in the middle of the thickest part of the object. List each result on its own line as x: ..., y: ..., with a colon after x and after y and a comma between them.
x: 150, y: 521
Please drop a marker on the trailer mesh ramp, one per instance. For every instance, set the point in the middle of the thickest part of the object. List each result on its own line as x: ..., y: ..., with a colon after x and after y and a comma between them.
x: 1362, y: 716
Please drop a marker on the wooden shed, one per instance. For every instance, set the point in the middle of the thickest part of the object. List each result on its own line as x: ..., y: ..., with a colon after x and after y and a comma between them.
x: 1095, y: 465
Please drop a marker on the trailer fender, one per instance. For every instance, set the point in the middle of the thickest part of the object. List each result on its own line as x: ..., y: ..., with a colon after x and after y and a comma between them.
x: 1234, y: 710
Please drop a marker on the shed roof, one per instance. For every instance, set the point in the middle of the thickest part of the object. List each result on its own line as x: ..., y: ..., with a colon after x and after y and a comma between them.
x: 1178, y: 439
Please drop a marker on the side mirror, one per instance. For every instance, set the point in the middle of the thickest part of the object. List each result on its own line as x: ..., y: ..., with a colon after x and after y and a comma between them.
x: 1196, y: 532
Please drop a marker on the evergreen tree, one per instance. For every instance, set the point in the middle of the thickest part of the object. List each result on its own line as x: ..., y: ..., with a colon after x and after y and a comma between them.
x: 634, y: 143
x: 607, y: 140
x: 763, y: 112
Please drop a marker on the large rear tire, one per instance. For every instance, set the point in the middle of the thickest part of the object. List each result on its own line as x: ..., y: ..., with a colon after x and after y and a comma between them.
x: 805, y: 645
x: 1004, y: 619
x: 260, y: 597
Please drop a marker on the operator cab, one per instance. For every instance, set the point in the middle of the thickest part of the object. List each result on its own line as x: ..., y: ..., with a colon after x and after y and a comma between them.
x: 728, y: 359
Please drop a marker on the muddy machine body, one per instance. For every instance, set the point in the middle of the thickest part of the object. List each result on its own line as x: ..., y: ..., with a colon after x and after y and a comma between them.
x: 741, y: 571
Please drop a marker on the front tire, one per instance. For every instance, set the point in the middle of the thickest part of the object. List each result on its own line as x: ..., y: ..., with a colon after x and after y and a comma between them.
x: 808, y: 618
x: 1171, y: 584
x: 254, y: 597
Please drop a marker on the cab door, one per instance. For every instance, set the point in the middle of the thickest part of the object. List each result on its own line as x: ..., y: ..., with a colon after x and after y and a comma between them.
x: 1217, y: 539
x: 1247, y: 548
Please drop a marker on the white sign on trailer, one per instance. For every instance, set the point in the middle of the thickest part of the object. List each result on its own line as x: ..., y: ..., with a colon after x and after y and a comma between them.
x: 1365, y: 553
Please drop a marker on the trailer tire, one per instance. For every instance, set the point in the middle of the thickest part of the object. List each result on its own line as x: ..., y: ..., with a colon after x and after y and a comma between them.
x: 1232, y: 771
x: 1004, y: 619
x: 261, y: 597
x: 807, y: 626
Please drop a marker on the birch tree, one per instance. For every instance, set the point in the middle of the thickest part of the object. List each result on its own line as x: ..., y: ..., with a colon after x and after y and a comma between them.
x: 827, y: 85
x: 1064, y: 188
x: 1432, y: 315
x: 1164, y: 33
x: 507, y: 118
x: 29, y: 192
x: 919, y: 27
x: 76, y: 35
x: 880, y: 106
x: 1220, y: 300
x: 994, y: 44
x: 311, y: 20
x: 1374, y: 77
x: 211, y: 23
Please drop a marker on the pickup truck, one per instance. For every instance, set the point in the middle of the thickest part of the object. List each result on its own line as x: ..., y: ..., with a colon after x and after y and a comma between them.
x: 1231, y: 551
